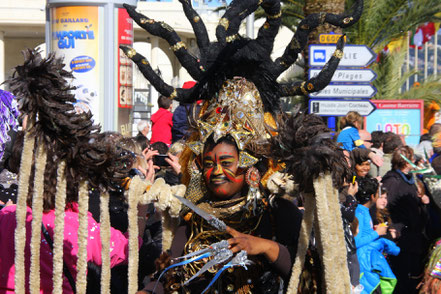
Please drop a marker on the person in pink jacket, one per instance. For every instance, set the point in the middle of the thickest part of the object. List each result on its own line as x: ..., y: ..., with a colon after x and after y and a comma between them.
x: 162, y: 122
x: 118, y: 247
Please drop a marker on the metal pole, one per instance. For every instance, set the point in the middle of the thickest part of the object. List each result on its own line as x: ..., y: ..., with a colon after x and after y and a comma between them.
x: 250, y: 26
x: 435, y: 59
x: 426, y: 53
x: 407, y: 61
x: 416, y: 63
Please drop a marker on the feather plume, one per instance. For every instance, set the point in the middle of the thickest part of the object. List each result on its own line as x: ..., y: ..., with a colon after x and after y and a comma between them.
x: 304, y: 143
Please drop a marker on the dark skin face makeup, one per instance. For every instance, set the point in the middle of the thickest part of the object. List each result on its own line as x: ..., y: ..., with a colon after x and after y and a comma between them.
x: 221, y: 171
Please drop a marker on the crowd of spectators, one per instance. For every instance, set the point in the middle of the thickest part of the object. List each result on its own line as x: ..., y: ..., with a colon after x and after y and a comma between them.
x: 389, y: 216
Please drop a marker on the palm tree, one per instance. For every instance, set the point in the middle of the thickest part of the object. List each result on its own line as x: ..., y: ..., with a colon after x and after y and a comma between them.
x: 384, y: 21
x: 292, y: 11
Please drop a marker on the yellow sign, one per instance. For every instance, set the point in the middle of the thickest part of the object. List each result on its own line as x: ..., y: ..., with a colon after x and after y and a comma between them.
x: 329, y: 38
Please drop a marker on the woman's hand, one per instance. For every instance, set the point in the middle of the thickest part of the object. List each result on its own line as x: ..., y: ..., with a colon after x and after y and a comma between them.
x: 174, y: 163
x: 381, y: 229
x: 150, y: 172
x: 376, y: 159
x: 9, y: 202
x: 425, y: 199
x: 253, y: 245
x: 393, y: 233
x: 148, y: 153
x: 353, y: 188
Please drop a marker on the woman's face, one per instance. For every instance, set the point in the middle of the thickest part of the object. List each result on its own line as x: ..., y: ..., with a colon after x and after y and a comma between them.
x: 382, y: 201
x: 363, y: 168
x: 220, y: 170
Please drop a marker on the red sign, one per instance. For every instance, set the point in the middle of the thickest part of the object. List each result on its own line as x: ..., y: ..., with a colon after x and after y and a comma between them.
x: 125, y: 73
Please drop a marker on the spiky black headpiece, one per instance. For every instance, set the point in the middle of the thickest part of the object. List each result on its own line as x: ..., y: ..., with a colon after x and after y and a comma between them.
x: 233, y: 55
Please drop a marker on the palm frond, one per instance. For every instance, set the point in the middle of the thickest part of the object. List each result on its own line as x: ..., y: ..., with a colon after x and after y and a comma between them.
x: 385, y: 20
x: 429, y: 90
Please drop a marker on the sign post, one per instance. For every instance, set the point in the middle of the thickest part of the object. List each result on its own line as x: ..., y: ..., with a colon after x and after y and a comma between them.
x: 350, y: 81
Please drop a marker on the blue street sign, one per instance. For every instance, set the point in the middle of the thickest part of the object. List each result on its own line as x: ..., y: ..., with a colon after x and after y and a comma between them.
x: 364, y: 91
x: 353, y: 55
x: 349, y: 75
x: 331, y: 107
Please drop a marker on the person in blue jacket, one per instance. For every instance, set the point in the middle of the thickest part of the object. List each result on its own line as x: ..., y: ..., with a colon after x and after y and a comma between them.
x: 376, y: 274
x: 349, y: 137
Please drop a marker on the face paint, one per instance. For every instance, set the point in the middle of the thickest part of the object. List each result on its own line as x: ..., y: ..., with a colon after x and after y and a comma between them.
x: 220, y: 168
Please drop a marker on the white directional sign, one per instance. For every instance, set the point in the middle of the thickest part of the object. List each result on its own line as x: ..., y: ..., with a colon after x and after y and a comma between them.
x: 346, y: 91
x: 340, y: 107
x: 348, y: 75
x: 353, y: 55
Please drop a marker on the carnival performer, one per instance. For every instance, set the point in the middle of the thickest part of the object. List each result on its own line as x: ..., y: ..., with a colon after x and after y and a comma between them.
x: 238, y: 143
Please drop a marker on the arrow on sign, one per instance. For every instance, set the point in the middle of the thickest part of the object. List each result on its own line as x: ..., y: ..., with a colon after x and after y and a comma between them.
x: 353, y: 55
x: 348, y: 75
x: 340, y: 107
x: 346, y: 91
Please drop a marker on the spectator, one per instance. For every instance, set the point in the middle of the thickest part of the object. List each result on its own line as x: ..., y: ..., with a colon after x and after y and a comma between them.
x: 349, y: 136
x: 180, y: 116
x: 380, y: 215
x: 366, y: 137
x: 391, y: 143
x: 360, y: 162
x: 409, y: 212
x: 162, y: 122
x: 435, y: 160
x: 377, y: 139
x: 374, y: 269
x: 143, y: 129
x: 425, y: 148
x: 348, y: 204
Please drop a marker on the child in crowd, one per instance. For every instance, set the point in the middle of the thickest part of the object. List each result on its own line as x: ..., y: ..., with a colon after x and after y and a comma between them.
x: 349, y: 136
x: 381, y: 216
x: 376, y: 274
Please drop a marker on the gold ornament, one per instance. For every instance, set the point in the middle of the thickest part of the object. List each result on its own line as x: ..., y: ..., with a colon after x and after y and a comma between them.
x: 302, y: 88
x: 275, y: 16
x: 196, y: 147
x: 246, y: 160
x: 338, y: 54
x: 294, y: 44
x: 178, y: 46
x: 224, y: 22
x: 173, y: 94
x: 130, y: 53
x: 166, y: 26
x: 231, y: 38
x: 347, y: 20
x: 196, y: 19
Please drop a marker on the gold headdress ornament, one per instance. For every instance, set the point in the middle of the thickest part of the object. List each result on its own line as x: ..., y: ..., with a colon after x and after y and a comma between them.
x: 237, y: 111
